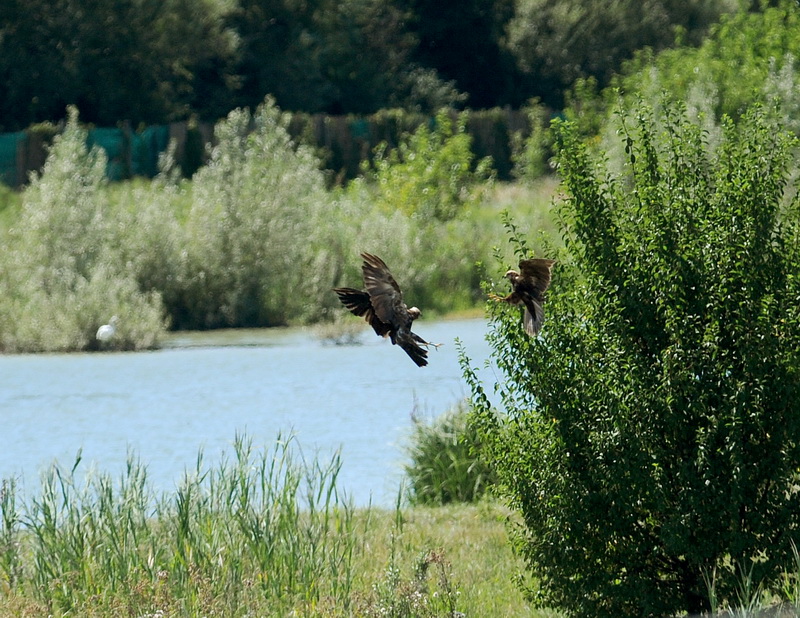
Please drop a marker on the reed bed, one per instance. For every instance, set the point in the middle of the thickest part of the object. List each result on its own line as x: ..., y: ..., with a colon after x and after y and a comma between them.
x: 262, y: 528
x: 263, y: 531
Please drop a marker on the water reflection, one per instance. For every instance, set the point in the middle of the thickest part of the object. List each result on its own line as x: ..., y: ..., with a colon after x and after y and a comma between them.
x: 201, y: 389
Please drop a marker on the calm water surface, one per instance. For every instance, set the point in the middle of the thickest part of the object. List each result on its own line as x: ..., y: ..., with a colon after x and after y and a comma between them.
x: 201, y: 389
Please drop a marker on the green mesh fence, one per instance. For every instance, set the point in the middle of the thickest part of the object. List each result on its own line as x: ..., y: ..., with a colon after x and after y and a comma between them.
x: 146, y: 146
x: 114, y: 142
x: 8, y: 158
x: 343, y: 143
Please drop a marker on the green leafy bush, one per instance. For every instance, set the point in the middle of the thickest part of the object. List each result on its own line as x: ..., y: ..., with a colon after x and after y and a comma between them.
x: 59, y: 282
x: 651, y: 431
x: 432, y: 174
x: 446, y: 461
x: 251, y: 228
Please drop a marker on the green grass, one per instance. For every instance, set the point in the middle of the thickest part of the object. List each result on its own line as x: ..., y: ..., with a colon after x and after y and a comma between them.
x: 263, y: 532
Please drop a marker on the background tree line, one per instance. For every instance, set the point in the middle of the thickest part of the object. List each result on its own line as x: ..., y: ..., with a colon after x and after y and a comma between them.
x: 156, y: 61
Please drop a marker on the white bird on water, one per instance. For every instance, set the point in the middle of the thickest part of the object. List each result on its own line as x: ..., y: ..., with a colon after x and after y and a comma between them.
x: 107, y: 331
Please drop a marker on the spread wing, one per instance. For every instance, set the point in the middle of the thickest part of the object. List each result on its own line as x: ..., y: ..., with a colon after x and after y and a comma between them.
x: 385, y: 294
x: 358, y: 302
x: 535, y: 276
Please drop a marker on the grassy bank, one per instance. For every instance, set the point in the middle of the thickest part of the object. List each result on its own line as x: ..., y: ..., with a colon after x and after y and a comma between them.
x: 264, y: 532
x: 416, y: 562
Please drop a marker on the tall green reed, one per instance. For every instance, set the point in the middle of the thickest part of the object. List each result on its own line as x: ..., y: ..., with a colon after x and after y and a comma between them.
x: 264, y: 527
x: 10, y: 521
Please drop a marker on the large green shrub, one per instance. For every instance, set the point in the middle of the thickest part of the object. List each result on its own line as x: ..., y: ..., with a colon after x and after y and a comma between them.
x: 652, y: 434
x: 432, y: 174
x: 256, y: 209
x: 59, y: 280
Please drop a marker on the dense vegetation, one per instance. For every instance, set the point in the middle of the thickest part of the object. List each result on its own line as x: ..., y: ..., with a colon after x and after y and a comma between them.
x: 446, y: 463
x: 255, y: 239
x: 647, y: 439
x: 153, y: 62
x: 264, y: 531
x: 650, y: 442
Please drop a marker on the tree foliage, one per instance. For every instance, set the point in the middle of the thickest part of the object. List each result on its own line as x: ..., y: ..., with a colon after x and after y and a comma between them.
x: 138, y: 60
x: 651, y: 436
x: 557, y: 42
x: 463, y: 43
x: 151, y: 61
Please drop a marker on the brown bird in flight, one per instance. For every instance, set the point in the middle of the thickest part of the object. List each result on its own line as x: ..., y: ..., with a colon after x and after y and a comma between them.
x: 382, y: 306
x: 528, y: 287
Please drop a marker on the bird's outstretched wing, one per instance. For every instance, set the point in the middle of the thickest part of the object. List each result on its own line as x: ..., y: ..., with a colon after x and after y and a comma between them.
x: 385, y: 294
x: 358, y: 302
x: 536, y: 274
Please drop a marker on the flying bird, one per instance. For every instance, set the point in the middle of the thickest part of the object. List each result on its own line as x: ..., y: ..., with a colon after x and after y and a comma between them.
x: 529, y: 285
x: 382, y: 306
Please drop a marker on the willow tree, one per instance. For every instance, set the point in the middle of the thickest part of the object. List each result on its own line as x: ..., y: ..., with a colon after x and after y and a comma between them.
x: 650, y: 436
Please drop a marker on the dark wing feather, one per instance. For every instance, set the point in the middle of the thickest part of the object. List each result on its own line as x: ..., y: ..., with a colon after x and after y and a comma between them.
x: 358, y: 302
x: 529, y: 288
x: 385, y: 294
x: 407, y: 340
x: 533, y: 318
x: 536, y: 275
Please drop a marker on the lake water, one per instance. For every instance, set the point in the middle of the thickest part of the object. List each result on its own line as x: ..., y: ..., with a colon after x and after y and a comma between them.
x: 202, y: 388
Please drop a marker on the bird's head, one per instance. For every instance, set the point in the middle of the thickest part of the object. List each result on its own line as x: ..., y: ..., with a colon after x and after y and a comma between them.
x: 511, y: 275
x: 414, y: 313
